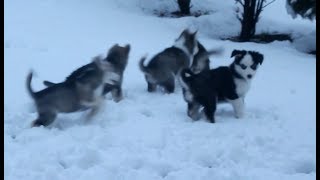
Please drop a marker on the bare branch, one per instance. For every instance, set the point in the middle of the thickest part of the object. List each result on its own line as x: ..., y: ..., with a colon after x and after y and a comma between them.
x: 258, y: 9
x: 256, y: 17
x: 240, y: 2
x: 259, y: 5
x: 268, y: 4
x: 239, y: 18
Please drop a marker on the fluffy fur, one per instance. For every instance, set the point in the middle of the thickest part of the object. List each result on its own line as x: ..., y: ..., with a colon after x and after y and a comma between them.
x: 225, y: 83
x: 163, y: 67
x: 77, y: 94
x: 200, y: 63
x: 118, y: 58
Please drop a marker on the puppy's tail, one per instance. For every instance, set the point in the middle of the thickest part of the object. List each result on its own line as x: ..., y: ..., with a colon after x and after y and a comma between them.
x: 141, y: 64
x: 28, y: 84
x: 217, y: 51
x: 48, y: 83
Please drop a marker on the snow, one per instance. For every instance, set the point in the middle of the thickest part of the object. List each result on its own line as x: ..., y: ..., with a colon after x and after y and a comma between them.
x: 306, y: 43
x: 149, y: 135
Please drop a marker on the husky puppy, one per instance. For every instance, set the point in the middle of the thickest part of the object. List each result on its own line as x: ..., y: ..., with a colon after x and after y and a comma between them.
x: 199, y: 62
x: 117, y: 56
x: 225, y: 83
x: 163, y: 67
x: 78, y: 94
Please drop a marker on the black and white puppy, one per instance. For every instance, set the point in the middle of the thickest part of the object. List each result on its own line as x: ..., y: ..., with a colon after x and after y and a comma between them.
x: 225, y: 83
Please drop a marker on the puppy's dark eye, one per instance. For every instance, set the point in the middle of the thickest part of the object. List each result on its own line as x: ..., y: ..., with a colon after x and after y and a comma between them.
x: 243, y: 66
x: 254, y: 67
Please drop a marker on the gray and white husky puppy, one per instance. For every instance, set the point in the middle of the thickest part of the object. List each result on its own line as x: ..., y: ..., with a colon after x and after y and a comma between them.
x: 77, y: 94
x: 117, y: 57
x: 163, y: 67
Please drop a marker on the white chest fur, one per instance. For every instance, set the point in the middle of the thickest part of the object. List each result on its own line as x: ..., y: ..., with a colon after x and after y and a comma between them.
x: 187, y: 94
x: 111, y: 77
x: 242, y: 86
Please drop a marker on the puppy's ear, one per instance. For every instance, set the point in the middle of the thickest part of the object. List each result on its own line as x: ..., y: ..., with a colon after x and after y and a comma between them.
x: 96, y: 59
x: 182, y: 34
x: 115, y: 46
x: 195, y: 33
x: 260, y: 58
x: 235, y: 52
x: 185, y: 32
x: 128, y: 47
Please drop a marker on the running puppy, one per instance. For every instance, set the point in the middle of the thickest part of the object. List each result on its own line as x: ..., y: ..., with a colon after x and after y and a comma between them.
x: 81, y: 93
x: 163, y: 67
x: 225, y: 83
x: 117, y: 56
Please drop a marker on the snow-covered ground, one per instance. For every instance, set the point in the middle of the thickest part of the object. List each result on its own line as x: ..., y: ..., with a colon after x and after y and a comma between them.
x: 149, y: 136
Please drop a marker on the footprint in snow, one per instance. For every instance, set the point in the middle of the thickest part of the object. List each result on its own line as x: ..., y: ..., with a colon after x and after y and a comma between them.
x: 305, y: 167
x: 146, y: 113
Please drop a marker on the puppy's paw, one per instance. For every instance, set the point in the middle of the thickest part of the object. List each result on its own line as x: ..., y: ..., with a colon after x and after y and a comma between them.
x: 35, y: 123
x: 117, y: 95
x: 117, y: 99
x: 195, y: 115
x: 239, y: 115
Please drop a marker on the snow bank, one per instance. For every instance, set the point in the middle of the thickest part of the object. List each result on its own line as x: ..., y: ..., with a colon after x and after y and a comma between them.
x: 148, y: 135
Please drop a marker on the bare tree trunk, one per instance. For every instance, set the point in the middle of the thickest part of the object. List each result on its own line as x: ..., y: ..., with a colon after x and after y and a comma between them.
x: 184, y: 6
x: 250, y: 17
x: 248, y: 23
